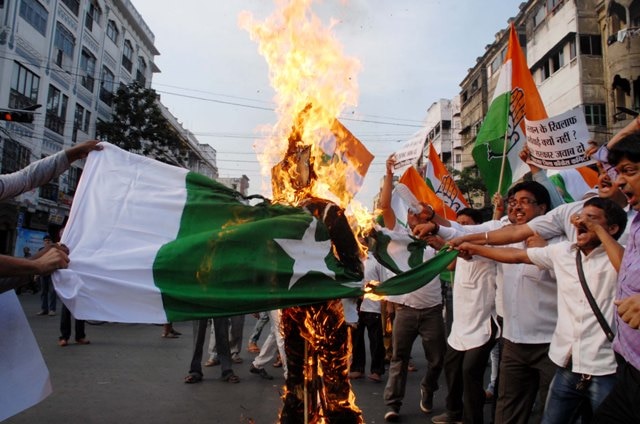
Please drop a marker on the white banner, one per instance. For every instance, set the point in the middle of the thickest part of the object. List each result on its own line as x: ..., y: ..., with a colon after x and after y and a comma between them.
x: 558, y: 142
x: 412, y: 150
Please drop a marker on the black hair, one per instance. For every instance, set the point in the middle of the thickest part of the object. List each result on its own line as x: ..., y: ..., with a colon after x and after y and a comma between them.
x: 628, y: 147
x: 614, y: 214
x: 538, y: 190
x: 474, y: 214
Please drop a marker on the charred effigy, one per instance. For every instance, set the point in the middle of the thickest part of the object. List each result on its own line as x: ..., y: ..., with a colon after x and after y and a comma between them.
x: 316, y: 336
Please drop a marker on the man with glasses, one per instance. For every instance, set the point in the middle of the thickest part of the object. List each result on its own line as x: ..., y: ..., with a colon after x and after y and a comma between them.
x: 526, y: 302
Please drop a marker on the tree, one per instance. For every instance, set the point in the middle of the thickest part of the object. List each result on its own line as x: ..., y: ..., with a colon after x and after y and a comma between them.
x: 471, y: 184
x: 137, y: 125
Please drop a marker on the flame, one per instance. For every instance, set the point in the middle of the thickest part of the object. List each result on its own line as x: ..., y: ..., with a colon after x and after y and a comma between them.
x: 314, y: 81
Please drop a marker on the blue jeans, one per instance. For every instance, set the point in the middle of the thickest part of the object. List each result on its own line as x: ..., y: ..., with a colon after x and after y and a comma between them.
x: 563, y: 400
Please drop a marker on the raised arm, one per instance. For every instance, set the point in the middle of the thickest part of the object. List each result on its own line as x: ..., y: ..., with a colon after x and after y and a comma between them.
x: 506, y: 235
x: 507, y: 255
x: 384, y: 203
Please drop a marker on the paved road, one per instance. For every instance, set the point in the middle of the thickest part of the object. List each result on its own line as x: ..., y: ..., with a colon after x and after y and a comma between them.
x: 129, y: 374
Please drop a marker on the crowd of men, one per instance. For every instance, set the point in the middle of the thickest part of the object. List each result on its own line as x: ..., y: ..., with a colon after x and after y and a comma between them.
x: 553, y: 285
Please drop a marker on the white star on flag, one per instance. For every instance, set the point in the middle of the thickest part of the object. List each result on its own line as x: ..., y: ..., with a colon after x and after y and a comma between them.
x: 308, y: 254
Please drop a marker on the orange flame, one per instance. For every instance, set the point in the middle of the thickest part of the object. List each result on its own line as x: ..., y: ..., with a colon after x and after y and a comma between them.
x: 314, y: 81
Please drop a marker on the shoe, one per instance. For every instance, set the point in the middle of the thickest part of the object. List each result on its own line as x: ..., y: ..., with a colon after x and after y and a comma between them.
x: 62, y: 342
x: 253, y: 348
x: 236, y: 359
x: 355, y: 375
x: 230, y: 377
x: 426, y: 401
x: 83, y: 342
x: 175, y: 333
x: 392, y: 415
x: 52, y: 313
x: 43, y: 312
x: 448, y: 417
x: 193, y: 378
x: 212, y: 362
x: 261, y: 372
x: 375, y: 377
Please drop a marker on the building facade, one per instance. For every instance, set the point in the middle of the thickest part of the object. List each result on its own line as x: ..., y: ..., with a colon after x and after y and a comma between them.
x: 69, y: 57
x: 581, y: 53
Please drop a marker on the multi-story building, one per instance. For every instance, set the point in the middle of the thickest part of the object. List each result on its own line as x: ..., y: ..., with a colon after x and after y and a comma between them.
x: 438, y: 128
x: 581, y: 53
x: 69, y: 56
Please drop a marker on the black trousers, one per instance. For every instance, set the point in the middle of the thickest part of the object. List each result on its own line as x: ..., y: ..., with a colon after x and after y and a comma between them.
x: 623, y: 403
x: 464, y: 371
x: 65, y: 325
x: 372, y: 323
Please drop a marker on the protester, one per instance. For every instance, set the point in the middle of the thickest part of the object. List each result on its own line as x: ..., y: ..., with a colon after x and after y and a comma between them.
x: 623, y: 404
x: 273, y: 346
x: 369, y: 320
x: 263, y: 319
x: 48, y: 296
x: 36, y: 174
x: 579, y: 347
x: 473, y: 334
x: 418, y: 313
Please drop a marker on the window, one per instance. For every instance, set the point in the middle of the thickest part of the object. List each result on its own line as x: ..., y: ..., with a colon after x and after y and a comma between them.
x: 539, y: 16
x: 56, y: 110
x: 93, y: 16
x: 65, y: 43
x: 112, y: 31
x: 595, y: 114
x: 14, y: 156
x: 591, y: 45
x: 88, y: 67
x: 73, y: 5
x: 572, y: 49
x: 551, y: 4
x: 142, y: 71
x: 545, y: 71
x: 458, y: 158
x: 474, y: 85
x: 81, y: 121
x: 34, y: 13
x: 498, y: 61
x: 24, y: 87
x: 557, y: 60
x: 72, y: 180
x: 127, y: 55
x: 106, y: 86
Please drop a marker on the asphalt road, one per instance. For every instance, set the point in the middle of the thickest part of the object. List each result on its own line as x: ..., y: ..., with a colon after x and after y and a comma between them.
x: 129, y: 374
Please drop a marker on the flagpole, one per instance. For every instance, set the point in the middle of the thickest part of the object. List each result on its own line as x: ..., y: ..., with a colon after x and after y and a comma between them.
x: 504, y: 150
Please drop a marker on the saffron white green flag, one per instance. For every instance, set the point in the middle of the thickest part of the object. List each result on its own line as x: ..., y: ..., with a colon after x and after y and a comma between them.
x: 153, y: 243
x: 502, y: 134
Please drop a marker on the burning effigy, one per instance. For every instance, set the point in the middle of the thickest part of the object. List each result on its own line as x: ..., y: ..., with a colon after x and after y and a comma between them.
x: 319, y: 165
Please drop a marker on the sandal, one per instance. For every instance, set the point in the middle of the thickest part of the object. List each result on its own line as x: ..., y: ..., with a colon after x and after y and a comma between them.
x: 175, y: 333
x: 230, y: 377
x: 193, y: 378
x: 212, y: 362
x: 169, y: 336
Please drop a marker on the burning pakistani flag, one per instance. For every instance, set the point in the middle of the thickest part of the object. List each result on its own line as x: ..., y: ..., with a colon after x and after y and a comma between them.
x: 502, y: 135
x: 152, y: 243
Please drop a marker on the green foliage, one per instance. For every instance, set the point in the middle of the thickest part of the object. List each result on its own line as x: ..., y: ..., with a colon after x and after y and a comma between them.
x: 471, y: 184
x: 137, y: 125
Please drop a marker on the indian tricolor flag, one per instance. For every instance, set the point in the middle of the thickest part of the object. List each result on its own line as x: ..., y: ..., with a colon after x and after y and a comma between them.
x: 573, y: 183
x: 443, y: 185
x: 502, y: 134
x: 153, y: 243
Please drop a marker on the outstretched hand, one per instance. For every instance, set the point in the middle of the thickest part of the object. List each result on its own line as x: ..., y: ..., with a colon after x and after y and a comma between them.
x: 81, y: 150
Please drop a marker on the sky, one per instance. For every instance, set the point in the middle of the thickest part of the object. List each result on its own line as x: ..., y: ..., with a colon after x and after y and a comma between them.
x: 412, y: 53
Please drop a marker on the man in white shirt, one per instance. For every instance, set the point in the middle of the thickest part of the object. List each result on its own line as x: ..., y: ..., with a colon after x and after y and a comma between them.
x: 418, y: 313
x: 579, y: 346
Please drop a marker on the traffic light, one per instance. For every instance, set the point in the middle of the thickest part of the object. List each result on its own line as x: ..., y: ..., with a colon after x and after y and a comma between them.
x: 15, y: 116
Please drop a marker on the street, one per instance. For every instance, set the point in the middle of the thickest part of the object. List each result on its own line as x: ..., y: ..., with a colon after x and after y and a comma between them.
x: 129, y: 374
